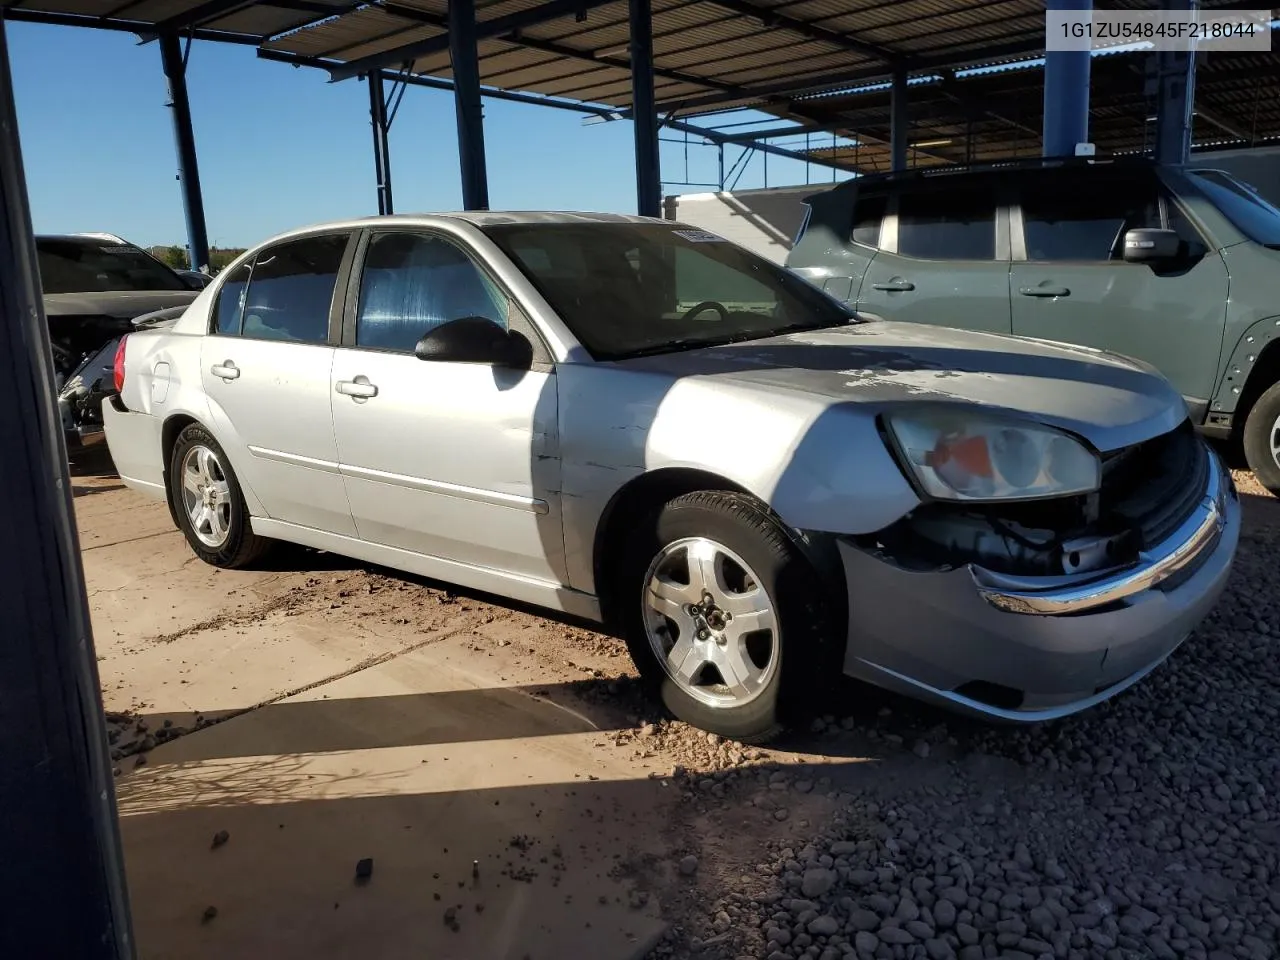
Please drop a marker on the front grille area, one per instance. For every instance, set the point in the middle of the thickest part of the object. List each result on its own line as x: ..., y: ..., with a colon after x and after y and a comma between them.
x: 1148, y: 491
x: 1152, y: 487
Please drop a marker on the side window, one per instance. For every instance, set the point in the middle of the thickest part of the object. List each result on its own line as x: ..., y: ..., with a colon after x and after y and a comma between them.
x: 291, y: 290
x: 1084, y: 220
x: 868, y: 212
x: 413, y: 282
x: 229, y: 310
x: 940, y: 224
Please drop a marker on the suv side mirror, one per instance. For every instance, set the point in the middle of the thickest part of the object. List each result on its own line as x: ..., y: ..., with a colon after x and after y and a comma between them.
x: 1150, y: 245
x: 475, y: 340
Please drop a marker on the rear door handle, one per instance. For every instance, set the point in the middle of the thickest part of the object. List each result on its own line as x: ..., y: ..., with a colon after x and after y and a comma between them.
x: 1044, y: 291
x: 360, y: 388
x: 226, y: 370
x: 897, y: 284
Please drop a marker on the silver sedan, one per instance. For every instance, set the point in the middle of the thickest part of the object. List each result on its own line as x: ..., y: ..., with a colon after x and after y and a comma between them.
x: 642, y: 423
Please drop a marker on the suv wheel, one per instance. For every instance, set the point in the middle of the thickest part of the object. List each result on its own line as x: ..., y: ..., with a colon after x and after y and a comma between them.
x: 721, y: 613
x: 1262, y: 439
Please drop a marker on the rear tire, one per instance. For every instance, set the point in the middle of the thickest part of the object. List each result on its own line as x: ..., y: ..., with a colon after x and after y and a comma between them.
x: 207, y: 501
x: 1261, y: 436
x: 724, y: 617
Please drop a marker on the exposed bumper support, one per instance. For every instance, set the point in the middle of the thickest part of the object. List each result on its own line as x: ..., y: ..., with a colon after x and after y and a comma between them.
x: 1068, y: 595
x: 941, y: 635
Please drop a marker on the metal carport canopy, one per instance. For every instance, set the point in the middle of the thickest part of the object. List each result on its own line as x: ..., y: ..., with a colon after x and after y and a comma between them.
x: 796, y: 59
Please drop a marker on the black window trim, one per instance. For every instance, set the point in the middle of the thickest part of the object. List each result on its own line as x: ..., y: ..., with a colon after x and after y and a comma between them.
x: 1002, y: 252
x: 336, y: 301
x: 890, y: 204
x: 517, y: 316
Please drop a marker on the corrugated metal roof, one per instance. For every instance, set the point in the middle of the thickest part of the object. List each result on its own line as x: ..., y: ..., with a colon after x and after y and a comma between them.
x: 774, y: 55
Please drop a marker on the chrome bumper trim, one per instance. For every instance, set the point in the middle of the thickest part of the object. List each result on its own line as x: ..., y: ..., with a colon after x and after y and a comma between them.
x: 1067, y: 595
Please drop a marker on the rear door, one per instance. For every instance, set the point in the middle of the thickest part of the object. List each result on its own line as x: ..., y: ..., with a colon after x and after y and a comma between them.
x: 944, y: 257
x: 1069, y: 281
x: 266, y: 368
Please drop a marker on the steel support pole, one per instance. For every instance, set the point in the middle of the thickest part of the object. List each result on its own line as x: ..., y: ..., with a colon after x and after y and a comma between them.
x: 466, y: 99
x: 899, y: 123
x: 1175, y: 86
x: 1066, y: 92
x: 644, y: 114
x: 381, y: 144
x: 175, y: 72
x: 62, y: 882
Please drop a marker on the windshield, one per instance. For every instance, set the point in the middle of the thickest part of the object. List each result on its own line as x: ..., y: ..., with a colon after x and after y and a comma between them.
x: 1239, y: 203
x: 76, y: 265
x: 628, y: 289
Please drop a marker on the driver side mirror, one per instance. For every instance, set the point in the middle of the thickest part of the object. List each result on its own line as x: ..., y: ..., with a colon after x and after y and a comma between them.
x: 475, y: 340
x: 1149, y: 245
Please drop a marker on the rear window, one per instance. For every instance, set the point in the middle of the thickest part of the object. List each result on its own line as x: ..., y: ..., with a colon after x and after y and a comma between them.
x: 86, y: 265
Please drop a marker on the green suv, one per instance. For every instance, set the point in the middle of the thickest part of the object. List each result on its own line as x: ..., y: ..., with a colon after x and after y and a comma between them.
x: 1175, y: 266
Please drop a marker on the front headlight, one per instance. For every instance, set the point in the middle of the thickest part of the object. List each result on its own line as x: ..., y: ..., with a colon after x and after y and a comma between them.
x: 968, y: 456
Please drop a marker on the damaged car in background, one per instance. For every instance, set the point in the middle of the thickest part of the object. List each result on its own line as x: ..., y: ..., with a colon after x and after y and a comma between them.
x: 95, y: 285
x: 641, y: 423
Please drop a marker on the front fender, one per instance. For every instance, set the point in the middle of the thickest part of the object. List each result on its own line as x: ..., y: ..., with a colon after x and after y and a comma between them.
x: 820, y: 466
x: 1241, y: 362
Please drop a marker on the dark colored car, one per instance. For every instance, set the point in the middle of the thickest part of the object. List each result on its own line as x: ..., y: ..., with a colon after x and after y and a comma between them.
x: 95, y: 285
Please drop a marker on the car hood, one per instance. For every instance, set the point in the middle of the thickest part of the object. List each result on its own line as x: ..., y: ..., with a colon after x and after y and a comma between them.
x: 122, y: 304
x: 1109, y: 400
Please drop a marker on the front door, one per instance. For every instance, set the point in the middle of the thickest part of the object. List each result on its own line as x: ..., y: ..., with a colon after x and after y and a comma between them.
x: 266, y: 368
x: 1070, y: 283
x: 451, y: 460
x: 944, y: 260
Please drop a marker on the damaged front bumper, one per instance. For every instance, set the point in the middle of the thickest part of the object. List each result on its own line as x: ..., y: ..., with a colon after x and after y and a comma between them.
x: 1031, y: 648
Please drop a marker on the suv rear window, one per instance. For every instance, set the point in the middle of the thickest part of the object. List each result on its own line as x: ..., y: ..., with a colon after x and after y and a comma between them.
x: 947, y: 225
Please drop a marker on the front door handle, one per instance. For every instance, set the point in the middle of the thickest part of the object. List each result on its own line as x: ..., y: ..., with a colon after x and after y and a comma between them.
x: 226, y: 370
x: 1044, y: 291
x: 360, y: 388
x: 897, y: 284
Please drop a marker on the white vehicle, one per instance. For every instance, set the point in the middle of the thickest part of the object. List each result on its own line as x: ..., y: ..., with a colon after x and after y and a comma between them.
x: 640, y: 422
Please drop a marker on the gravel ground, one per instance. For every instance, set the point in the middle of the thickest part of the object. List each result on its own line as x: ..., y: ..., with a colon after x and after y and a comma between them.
x: 1148, y: 827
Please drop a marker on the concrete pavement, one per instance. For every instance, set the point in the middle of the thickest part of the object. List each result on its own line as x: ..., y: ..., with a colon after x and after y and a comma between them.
x: 365, y: 721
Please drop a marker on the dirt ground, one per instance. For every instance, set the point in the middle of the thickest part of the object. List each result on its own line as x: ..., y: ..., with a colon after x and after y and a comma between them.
x: 1149, y: 827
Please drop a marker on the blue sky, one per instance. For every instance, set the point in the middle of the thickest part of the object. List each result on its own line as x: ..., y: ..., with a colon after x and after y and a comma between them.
x: 280, y: 146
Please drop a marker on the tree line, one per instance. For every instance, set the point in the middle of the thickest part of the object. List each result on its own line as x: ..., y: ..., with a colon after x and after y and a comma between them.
x: 176, y: 256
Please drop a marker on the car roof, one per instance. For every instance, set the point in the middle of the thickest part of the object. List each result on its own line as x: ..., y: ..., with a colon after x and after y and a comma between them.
x: 98, y: 238
x: 478, y: 218
x: 922, y: 174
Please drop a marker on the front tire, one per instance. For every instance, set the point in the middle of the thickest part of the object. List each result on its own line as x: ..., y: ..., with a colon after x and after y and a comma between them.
x: 1262, y: 439
x: 723, y: 616
x: 207, y: 501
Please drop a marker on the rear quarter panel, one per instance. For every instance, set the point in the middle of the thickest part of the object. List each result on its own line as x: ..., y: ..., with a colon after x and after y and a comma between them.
x: 162, y: 381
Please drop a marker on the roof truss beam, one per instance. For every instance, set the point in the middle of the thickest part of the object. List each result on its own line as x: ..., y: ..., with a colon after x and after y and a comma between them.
x: 485, y: 29
x: 774, y: 18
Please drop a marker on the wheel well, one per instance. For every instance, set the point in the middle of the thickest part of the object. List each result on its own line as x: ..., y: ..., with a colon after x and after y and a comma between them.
x: 168, y: 439
x: 649, y: 491
x: 1264, y: 373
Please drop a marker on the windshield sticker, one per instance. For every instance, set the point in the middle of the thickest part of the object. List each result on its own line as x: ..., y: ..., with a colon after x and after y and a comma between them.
x: 699, y: 236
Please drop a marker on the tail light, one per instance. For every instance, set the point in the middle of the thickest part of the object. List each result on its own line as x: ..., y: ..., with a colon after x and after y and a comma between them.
x: 118, y: 367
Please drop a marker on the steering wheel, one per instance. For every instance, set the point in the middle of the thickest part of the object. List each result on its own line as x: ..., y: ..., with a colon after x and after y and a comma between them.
x: 715, y: 305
